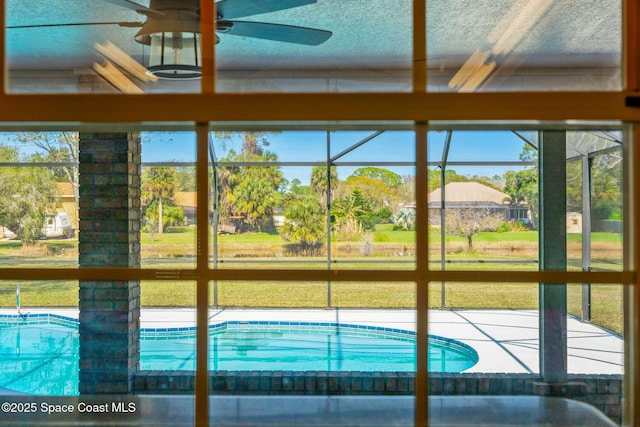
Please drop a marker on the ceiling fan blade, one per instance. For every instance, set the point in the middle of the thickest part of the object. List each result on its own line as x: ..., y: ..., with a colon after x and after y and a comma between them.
x: 79, y: 24
x: 230, y: 9
x: 277, y: 32
x: 134, y: 6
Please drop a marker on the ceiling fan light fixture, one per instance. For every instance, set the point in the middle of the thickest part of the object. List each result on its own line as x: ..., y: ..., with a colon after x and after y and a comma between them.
x: 175, y: 55
x: 174, y: 42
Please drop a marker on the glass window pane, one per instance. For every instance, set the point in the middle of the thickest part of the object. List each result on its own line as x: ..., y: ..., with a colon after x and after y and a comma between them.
x: 168, y: 191
x: 373, y: 209
x: 268, y: 204
x: 62, y: 344
x: 64, y: 46
x: 488, y: 223
x: 490, y: 146
x: 492, y: 214
x: 299, y: 354
x: 279, y: 205
x: 378, y: 146
x: 39, y: 337
x: 478, y: 329
x: 39, y: 215
x: 267, y: 294
x: 69, y: 197
x: 524, y: 45
x: 495, y: 329
x: 310, y: 46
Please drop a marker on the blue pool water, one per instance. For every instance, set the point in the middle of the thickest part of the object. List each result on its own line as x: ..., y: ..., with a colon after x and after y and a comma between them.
x: 39, y: 353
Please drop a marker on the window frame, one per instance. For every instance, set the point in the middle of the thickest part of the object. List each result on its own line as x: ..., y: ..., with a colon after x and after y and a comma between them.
x: 418, y: 107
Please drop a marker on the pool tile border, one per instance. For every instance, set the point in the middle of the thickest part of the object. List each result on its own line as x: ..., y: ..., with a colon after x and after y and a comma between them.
x: 148, y: 333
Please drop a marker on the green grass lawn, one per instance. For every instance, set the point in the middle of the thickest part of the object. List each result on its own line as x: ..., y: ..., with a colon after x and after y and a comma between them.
x: 606, y: 299
x: 40, y: 293
x: 385, y: 233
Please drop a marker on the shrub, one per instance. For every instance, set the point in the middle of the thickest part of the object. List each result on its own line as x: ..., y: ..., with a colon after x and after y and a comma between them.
x: 505, y: 227
x: 517, y: 225
x: 367, y: 245
x: 380, y: 238
x: 384, y: 216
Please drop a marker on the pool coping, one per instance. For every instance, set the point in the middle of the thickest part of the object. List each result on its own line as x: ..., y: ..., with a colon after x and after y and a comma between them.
x: 213, y: 327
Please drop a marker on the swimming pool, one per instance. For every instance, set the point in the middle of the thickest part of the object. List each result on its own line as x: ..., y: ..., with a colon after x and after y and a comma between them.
x: 39, y: 353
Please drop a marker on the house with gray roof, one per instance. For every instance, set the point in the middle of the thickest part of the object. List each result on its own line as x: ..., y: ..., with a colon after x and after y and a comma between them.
x: 474, y: 195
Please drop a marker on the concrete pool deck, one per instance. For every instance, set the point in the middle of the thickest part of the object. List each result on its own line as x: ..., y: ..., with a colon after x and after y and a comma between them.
x: 506, y: 340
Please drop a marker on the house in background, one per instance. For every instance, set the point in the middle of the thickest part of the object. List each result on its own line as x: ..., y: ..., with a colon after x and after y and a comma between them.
x: 62, y: 223
x: 67, y: 199
x: 474, y: 195
x: 187, y: 201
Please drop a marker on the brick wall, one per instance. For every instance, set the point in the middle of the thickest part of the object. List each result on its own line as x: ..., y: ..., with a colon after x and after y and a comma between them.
x: 109, y: 236
x: 602, y: 391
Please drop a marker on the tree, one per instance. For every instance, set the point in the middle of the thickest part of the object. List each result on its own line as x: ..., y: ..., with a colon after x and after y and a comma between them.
x: 407, y: 191
x: 434, y: 178
x: 319, y: 182
x: 353, y: 213
x: 605, y: 174
x: 253, y: 143
x: 250, y: 192
x: 606, y: 186
x: 27, y: 195
x: 58, y: 147
x: 254, y: 195
x: 305, y: 219
x: 381, y: 186
x: 389, y: 178
x: 574, y: 186
x: 467, y: 222
x: 171, y: 215
x: 185, y: 178
x: 305, y: 225
x: 522, y: 188
x: 158, y: 184
x: 294, y: 185
x: 297, y: 192
x: 529, y: 153
x: 384, y: 215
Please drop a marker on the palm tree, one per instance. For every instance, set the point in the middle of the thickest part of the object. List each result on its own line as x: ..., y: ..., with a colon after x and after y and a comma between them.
x: 319, y: 182
x: 158, y: 183
x: 304, y: 225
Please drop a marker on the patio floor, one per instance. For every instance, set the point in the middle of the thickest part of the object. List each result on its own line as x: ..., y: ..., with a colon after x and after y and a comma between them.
x: 506, y: 340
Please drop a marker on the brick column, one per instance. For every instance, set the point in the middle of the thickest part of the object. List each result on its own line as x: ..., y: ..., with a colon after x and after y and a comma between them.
x: 109, y: 235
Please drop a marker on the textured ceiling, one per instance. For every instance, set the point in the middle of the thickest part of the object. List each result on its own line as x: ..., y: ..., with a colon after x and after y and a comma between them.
x: 367, y: 34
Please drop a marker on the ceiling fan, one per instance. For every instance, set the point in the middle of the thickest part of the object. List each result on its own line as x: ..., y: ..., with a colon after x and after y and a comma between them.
x: 172, y: 30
